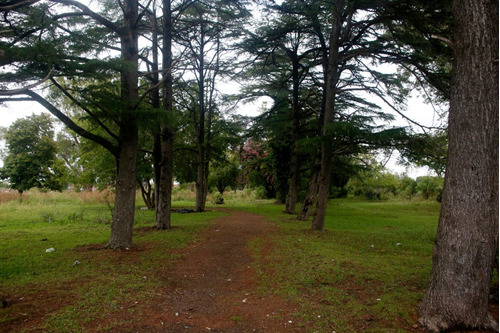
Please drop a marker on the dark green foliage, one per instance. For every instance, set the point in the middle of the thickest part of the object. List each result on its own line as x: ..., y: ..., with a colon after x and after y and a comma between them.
x: 31, y: 157
x: 224, y: 174
x: 427, y: 150
x: 422, y: 33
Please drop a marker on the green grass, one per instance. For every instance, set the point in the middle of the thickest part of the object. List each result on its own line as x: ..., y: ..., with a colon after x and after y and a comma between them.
x: 365, y: 273
x: 103, y: 280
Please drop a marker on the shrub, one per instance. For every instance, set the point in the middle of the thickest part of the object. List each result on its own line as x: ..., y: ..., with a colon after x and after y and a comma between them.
x: 430, y: 187
x: 373, y: 185
x: 218, y: 198
x: 407, y: 188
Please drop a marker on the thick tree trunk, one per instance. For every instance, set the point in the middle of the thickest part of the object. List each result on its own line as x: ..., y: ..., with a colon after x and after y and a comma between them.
x: 293, y: 186
x: 163, y: 212
x: 467, y: 236
x: 318, y: 222
x: 200, y: 181
x: 124, y: 211
x: 200, y: 175
x: 332, y: 77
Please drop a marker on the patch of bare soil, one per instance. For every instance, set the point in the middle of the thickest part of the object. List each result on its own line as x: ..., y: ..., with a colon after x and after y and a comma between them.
x: 213, y: 288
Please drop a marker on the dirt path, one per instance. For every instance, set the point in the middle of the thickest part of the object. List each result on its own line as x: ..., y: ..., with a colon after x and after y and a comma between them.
x: 213, y: 288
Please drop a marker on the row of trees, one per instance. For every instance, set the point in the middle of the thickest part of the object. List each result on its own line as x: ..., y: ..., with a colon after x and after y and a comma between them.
x: 140, y: 78
x: 35, y: 157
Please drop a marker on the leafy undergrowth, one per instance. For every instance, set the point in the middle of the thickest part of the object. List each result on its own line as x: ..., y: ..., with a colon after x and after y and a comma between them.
x: 365, y: 273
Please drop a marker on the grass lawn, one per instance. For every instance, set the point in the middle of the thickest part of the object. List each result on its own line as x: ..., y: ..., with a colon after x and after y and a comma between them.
x: 79, y: 282
x: 365, y: 273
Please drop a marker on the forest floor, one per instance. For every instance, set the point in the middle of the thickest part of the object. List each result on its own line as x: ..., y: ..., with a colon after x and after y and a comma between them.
x: 213, y: 285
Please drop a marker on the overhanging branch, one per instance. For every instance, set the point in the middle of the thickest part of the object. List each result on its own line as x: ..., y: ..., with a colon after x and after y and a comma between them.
x: 24, y: 89
x: 71, y: 124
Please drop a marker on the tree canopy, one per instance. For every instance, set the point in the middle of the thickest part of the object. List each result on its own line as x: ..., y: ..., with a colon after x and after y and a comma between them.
x: 143, y: 81
x: 31, y: 159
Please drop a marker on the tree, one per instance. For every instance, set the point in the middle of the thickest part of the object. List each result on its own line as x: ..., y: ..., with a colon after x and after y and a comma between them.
x: 466, y: 243
x: 208, y: 28
x: 31, y: 158
x: 42, y: 42
x: 225, y: 173
x: 88, y: 164
x: 286, y: 54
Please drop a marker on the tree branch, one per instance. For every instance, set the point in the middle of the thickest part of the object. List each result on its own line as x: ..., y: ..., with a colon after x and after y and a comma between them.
x: 22, y: 90
x: 87, y: 11
x: 108, y: 145
x: 84, y: 108
x: 16, y: 4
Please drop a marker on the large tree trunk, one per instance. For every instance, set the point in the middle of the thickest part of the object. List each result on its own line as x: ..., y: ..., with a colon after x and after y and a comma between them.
x: 124, y: 211
x: 293, y: 186
x: 332, y: 77
x: 200, y: 181
x: 163, y: 212
x: 467, y: 236
x: 200, y: 159
x: 323, y: 186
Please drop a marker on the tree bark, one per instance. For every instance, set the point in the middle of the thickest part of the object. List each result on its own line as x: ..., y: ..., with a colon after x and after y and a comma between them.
x: 200, y: 159
x: 467, y: 237
x: 163, y: 212
x: 293, y: 188
x: 123, y: 215
x: 124, y: 210
x: 312, y: 191
x: 293, y: 179
x: 155, y: 103
x: 332, y: 78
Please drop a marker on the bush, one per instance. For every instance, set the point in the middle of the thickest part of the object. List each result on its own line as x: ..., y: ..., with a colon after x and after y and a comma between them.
x: 430, y: 187
x: 260, y: 192
x: 218, y: 198
x: 408, y: 188
x: 373, y: 185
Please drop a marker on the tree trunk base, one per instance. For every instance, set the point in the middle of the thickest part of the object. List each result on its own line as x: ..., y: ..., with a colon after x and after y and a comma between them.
x: 162, y: 227
x: 118, y: 247
x: 437, y: 323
